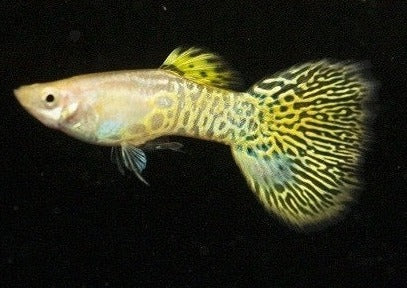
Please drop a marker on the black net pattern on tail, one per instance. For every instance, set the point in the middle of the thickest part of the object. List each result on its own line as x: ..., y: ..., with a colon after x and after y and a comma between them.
x: 306, y: 155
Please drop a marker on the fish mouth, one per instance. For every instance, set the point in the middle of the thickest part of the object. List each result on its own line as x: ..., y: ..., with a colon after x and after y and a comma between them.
x: 23, y: 98
x: 24, y: 95
x: 19, y: 96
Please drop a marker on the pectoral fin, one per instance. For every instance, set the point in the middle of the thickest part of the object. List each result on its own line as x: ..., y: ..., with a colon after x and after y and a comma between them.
x: 133, y: 158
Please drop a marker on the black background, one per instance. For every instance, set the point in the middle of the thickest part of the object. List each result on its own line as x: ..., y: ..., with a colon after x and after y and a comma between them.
x: 69, y: 219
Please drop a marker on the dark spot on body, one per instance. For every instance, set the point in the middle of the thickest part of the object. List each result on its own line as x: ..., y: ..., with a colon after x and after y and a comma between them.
x: 205, y: 121
x: 251, y: 137
x: 209, y: 133
x: 264, y: 147
x: 157, y: 121
x: 181, y: 131
x: 279, y: 188
x: 250, y: 151
x: 283, y: 108
x: 186, y: 118
x: 261, y: 116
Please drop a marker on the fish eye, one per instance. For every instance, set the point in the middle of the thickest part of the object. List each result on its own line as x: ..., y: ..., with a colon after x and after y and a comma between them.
x: 49, y: 99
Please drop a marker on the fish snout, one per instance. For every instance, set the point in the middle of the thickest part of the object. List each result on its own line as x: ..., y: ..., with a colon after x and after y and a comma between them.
x: 24, y: 95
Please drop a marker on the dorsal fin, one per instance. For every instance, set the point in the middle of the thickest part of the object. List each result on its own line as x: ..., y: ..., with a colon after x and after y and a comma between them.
x: 203, y: 67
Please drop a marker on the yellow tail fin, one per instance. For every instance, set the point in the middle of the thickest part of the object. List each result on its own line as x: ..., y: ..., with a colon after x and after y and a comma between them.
x: 303, y: 162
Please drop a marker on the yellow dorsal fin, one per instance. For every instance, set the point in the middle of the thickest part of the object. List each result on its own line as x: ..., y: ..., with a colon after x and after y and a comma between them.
x: 203, y: 67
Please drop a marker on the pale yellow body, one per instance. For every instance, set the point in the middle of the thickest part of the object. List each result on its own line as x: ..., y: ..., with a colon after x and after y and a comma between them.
x: 146, y: 104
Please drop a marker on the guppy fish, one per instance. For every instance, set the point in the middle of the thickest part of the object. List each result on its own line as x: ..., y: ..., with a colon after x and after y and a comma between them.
x: 297, y: 136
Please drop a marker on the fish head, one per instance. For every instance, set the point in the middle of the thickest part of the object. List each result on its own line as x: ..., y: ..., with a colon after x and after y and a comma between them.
x: 47, y: 102
x: 61, y: 105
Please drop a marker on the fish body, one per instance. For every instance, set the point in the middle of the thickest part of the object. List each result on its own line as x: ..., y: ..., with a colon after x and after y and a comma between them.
x: 137, y: 106
x: 298, y: 136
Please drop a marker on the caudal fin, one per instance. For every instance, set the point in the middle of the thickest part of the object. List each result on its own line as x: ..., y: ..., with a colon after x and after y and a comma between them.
x: 303, y: 163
